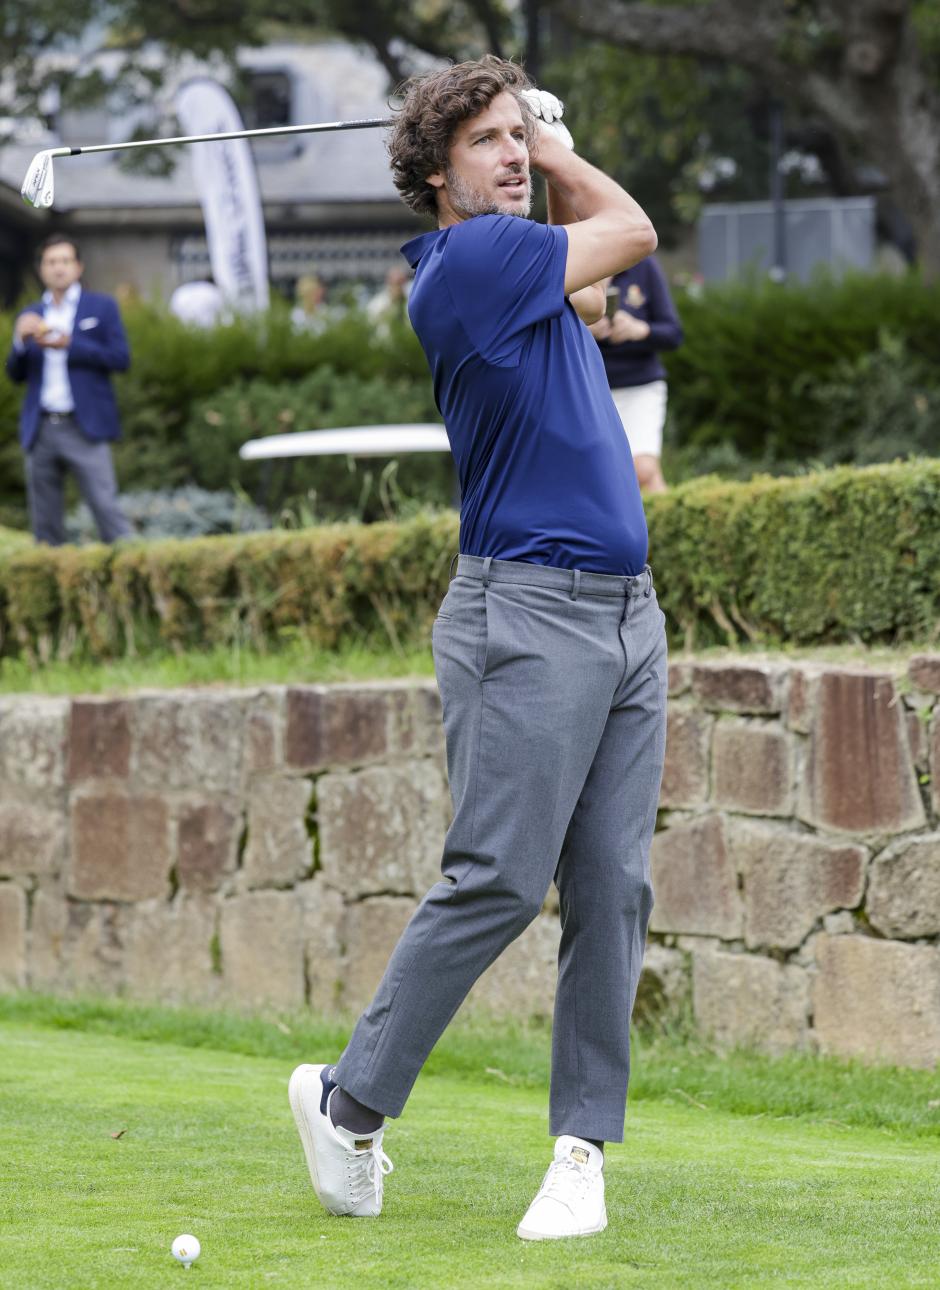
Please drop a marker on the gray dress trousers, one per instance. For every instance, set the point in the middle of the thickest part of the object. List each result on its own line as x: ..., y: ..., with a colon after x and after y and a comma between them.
x: 553, y: 686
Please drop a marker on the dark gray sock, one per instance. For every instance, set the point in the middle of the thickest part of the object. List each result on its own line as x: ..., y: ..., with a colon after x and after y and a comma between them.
x: 594, y: 1143
x: 347, y: 1113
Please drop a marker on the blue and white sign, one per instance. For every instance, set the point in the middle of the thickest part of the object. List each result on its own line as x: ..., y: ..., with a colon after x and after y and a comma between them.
x: 227, y: 183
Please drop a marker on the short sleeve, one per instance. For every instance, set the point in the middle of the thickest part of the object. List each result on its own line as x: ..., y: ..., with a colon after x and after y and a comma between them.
x: 505, y: 274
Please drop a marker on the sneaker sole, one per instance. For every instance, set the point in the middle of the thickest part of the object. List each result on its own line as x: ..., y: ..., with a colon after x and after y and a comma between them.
x: 531, y: 1235
x: 297, y: 1079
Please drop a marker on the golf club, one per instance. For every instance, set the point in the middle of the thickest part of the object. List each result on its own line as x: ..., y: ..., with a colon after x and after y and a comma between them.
x: 38, y: 186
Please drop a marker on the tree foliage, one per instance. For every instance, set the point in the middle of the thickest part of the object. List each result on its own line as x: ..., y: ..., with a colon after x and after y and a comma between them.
x: 867, y: 70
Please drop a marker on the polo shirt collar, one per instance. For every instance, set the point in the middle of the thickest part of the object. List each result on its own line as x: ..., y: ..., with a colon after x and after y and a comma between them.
x: 418, y: 247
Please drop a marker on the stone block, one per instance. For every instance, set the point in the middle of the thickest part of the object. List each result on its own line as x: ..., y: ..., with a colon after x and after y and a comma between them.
x: 744, y: 999
x: 904, y: 890
x: 415, y: 725
x: 207, y: 835
x: 521, y: 983
x: 752, y: 768
x: 382, y: 829
x: 685, y: 773
x: 261, y: 938
x: 859, y: 775
x: 757, y: 688
x: 664, y: 984
x: 323, y: 916
x: 918, y: 741
x: 924, y: 672
x: 791, y: 880
x: 265, y: 718
x: 99, y: 740
x: 33, y: 737
x: 841, y: 924
x: 120, y: 847
x: 694, y: 880
x: 680, y: 678
x: 934, y: 741
x: 186, y: 741
x: 46, y: 969
x: 279, y: 850
x: 32, y: 837
x: 371, y: 929
x: 801, y: 698
x: 168, y: 955
x: 878, y: 1000
x: 92, y: 947
x: 336, y: 726
x: 12, y: 936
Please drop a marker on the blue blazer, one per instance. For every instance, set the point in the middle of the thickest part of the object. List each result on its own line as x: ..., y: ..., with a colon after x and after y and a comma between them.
x: 98, y: 348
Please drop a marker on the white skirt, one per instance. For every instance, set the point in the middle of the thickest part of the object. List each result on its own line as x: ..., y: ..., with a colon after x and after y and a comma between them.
x: 642, y: 410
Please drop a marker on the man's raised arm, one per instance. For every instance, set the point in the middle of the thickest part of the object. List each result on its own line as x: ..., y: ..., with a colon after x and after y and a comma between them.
x: 612, y: 231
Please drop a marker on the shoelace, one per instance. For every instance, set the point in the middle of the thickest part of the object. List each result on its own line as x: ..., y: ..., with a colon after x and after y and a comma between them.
x: 562, y: 1177
x: 365, y: 1172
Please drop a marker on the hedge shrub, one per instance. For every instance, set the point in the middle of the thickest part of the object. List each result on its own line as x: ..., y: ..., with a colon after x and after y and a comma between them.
x: 769, y: 377
x: 837, y: 556
x: 755, y: 352
x: 841, y: 555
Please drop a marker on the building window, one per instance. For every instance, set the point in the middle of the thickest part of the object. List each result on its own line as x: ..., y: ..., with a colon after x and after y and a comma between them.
x: 267, y: 100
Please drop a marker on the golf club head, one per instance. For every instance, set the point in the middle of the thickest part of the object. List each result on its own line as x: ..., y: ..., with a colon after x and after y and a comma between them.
x: 38, y: 187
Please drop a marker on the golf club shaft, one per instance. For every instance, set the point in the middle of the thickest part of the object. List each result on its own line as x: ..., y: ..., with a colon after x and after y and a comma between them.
x: 269, y: 133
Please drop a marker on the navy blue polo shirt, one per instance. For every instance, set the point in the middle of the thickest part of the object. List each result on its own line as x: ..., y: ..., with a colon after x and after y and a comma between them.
x: 545, y: 470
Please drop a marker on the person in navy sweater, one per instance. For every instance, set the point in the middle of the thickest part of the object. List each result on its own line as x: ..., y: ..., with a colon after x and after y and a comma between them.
x: 644, y: 323
x: 65, y: 347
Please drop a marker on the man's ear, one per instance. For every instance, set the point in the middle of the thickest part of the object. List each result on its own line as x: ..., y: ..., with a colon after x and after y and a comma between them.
x: 436, y: 180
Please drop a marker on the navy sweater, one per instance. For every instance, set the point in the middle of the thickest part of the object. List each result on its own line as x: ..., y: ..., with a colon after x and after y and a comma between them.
x: 643, y: 293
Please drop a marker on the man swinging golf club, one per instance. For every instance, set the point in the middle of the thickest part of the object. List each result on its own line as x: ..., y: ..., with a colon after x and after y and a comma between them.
x: 549, y: 646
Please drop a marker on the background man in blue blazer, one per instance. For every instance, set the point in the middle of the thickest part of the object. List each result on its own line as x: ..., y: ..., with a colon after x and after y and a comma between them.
x: 65, y: 347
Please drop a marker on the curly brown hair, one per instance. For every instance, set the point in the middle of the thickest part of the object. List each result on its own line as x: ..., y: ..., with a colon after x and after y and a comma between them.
x: 433, y: 106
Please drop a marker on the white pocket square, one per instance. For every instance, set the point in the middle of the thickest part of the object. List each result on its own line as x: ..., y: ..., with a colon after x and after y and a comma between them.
x: 87, y: 323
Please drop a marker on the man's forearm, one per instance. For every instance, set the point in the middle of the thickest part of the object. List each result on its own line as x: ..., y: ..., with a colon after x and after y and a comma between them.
x: 578, y: 188
x: 589, y: 302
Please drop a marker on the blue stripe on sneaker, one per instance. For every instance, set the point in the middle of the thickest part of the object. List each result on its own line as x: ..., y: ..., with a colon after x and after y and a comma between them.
x: 328, y: 1086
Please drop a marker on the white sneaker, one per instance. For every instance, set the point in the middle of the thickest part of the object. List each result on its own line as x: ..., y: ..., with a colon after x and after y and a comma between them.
x: 347, y: 1171
x: 570, y: 1201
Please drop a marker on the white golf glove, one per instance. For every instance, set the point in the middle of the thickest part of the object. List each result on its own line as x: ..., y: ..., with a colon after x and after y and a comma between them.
x: 548, y: 109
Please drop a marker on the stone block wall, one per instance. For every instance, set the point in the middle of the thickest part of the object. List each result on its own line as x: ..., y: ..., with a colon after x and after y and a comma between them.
x: 796, y: 862
x: 266, y: 847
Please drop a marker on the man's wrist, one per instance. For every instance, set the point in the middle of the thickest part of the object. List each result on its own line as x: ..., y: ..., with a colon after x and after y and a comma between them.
x: 549, y: 151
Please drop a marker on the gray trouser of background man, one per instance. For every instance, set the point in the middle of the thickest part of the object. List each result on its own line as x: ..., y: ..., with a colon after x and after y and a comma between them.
x: 60, y: 446
x: 554, y: 692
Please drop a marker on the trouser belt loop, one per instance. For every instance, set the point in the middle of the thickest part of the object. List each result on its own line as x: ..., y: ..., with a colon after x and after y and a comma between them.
x: 452, y: 563
x: 486, y: 570
x: 649, y: 582
x: 575, y: 584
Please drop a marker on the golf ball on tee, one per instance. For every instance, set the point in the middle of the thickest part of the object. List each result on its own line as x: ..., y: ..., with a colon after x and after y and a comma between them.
x: 185, y: 1248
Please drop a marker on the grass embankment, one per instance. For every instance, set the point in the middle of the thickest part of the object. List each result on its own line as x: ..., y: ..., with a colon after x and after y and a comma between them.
x: 737, y: 1171
x: 297, y: 664
x: 302, y: 664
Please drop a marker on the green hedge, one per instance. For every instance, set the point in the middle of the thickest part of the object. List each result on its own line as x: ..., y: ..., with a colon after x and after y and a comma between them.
x: 769, y: 378
x: 837, y: 556
x: 337, y: 583
x: 755, y: 354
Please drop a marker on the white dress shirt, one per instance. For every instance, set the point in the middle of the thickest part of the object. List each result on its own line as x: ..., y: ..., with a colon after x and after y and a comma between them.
x: 56, y: 392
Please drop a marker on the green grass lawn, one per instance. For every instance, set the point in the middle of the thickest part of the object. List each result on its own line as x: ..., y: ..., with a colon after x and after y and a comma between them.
x: 299, y: 663
x: 737, y: 1171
